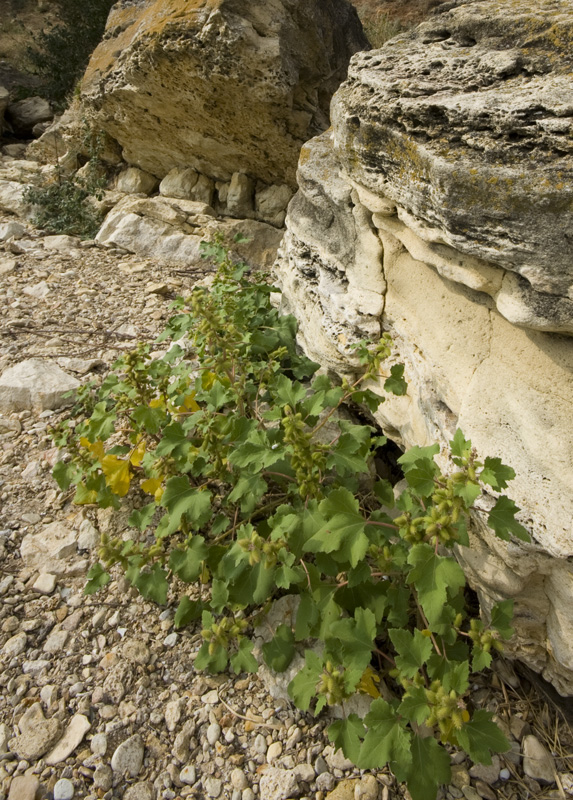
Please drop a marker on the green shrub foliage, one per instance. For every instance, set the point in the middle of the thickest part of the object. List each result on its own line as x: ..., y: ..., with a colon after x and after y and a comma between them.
x: 249, y: 485
x: 61, y: 53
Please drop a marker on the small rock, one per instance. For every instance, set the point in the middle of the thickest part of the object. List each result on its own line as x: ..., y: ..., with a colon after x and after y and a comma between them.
x: 128, y: 757
x: 45, y: 583
x: 260, y: 744
x: 210, y: 698
x: 103, y: 777
x: 61, y: 242
x: 37, y: 734
x: 170, y: 640
x: 538, y: 763
x: 504, y: 774
x: 305, y: 772
x: 11, y: 230
x: 367, y: 788
x: 98, y: 744
x: 4, y: 736
x: 63, y: 790
x: 274, y: 751
x: 325, y: 782
x: 56, y: 642
x: 173, y: 712
x: 485, y: 791
x: 278, y: 784
x: 15, y: 645
x: 470, y: 793
x: 239, y: 779
x: 188, y: 775
x: 344, y: 791
x: 213, y: 786
x: 488, y: 773
x: 35, y: 384
x: 39, y: 290
x: 136, y: 181
x: 519, y: 727
x: 75, y: 732
x: 24, y: 787
x: 88, y: 536
x: 213, y: 733
x: 140, y: 791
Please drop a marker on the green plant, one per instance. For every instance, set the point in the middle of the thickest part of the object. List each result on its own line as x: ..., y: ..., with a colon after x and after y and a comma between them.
x: 64, y: 204
x: 61, y: 54
x: 250, y: 485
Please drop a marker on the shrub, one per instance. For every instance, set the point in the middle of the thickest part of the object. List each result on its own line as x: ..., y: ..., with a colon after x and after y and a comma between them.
x: 379, y: 27
x: 248, y: 485
x: 61, y: 54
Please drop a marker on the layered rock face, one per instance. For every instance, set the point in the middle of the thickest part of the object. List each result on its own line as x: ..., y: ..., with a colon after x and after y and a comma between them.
x: 440, y: 208
x: 222, y: 86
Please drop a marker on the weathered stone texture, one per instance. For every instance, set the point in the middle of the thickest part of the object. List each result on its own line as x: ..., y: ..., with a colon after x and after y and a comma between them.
x: 389, y: 231
x: 219, y: 85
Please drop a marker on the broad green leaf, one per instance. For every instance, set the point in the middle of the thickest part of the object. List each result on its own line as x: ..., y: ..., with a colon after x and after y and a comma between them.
x: 255, y: 585
x: 469, y: 492
x: 85, y: 496
x: 480, y: 659
x: 141, y: 518
x: 456, y: 677
x: 430, y: 768
x: 243, y: 660
x: 289, y: 393
x: 151, y: 419
x: 219, y: 595
x: 279, y: 652
x: 384, y: 492
x: 396, y: 383
x: 414, y: 705
x: 414, y: 454
x: 188, y: 563
x: 346, y: 735
x: 346, y: 457
x: 183, y: 500
x: 187, y: 611
x: 66, y: 474
x: 153, y: 584
x: 249, y: 491
x: 502, y: 520
x: 216, y: 662
x: 434, y: 577
x: 496, y: 474
x: 413, y: 650
x: 356, y: 637
x: 306, y: 617
x: 420, y: 476
x: 387, y: 741
x: 101, y: 423
x: 96, y: 578
x: 480, y: 737
x: 173, y: 437
x: 460, y: 446
x: 501, y: 617
x: 343, y: 532
x: 302, y: 688
x: 286, y: 577
x: 256, y: 451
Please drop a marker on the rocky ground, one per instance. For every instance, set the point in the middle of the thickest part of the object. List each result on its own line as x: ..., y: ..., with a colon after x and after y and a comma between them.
x: 99, y: 697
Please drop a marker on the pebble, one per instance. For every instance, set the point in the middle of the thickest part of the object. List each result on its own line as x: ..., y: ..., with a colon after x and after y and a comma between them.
x: 170, y: 640
x: 488, y: 773
x: 277, y: 784
x: 188, y: 775
x: 274, y: 751
x: 538, y: 762
x: 140, y: 791
x: 78, y: 727
x: 504, y: 774
x: 63, y: 790
x: 45, y: 583
x: 213, y: 733
x: 239, y: 779
x: 15, y: 646
x: 128, y: 757
x: 213, y: 786
x: 325, y: 782
x: 24, y: 787
x: 210, y: 698
x: 367, y: 788
x: 260, y: 745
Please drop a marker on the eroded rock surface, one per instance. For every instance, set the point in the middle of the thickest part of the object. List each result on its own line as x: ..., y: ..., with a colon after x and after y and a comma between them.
x: 439, y: 208
x: 219, y: 85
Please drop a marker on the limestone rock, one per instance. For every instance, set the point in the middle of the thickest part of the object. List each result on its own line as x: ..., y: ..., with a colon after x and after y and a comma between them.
x: 278, y: 784
x: 24, y: 787
x: 11, y: 230
x: 442, y: 120
x: 179, y: 183
x: 480, y: 351
x: 25, y: 114
x: 538, y: 763
x: 136, y: 181
x: 37, y: 734
x: 12, y: 197
x: 48, y: 548
x: 128, y: 756
x: 222, y: 87
x: 35, y: 384
x: 78, y: 726
x: 240, y: 195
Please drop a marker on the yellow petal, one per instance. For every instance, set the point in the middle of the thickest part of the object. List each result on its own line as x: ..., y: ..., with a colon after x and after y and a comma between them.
x: 151, y: 485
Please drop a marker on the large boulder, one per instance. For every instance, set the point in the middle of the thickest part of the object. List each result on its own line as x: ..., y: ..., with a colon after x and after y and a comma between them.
x: 440, y: 208
x: 222, y: 86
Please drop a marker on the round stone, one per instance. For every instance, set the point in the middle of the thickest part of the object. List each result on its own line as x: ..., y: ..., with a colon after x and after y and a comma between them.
x: 213, y: 733
x: 63, y: 790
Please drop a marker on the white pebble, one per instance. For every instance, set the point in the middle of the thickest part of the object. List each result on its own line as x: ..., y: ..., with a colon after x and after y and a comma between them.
x: 170, y: 640
x: 213, y: 733
x: 63, y: 790
x: 504, y: 774
x: 188, y: 775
